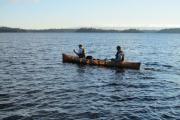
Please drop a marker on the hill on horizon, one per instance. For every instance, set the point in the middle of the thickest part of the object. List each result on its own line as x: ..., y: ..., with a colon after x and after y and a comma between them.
x: 90, y: 30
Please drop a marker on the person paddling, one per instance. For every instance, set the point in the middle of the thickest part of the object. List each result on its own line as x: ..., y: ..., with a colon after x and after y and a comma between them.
x: 81, y: 52
x: 119, y: 55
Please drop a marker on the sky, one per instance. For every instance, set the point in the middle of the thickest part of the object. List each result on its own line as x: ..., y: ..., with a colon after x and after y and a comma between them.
x: 42, y: 14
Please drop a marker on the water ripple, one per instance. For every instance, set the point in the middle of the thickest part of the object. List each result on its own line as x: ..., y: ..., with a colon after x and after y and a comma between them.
x: 35, y: 84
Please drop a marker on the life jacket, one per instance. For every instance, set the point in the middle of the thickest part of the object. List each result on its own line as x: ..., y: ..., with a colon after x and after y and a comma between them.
x: 120, y: 56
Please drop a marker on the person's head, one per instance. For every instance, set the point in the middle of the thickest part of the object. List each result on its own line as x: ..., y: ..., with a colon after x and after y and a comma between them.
x: 118, y: 48
x: 80, y: 45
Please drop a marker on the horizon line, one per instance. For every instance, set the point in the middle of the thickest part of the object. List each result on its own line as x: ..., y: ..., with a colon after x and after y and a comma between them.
x: 98, y: 27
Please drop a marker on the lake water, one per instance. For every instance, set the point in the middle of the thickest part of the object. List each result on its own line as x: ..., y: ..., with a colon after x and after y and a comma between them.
x: 36, y: 85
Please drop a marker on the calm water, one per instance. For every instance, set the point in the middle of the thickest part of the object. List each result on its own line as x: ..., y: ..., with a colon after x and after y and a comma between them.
x: 36, y: 85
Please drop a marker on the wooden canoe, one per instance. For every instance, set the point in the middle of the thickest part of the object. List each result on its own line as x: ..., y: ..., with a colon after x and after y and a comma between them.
x: 98, y: 62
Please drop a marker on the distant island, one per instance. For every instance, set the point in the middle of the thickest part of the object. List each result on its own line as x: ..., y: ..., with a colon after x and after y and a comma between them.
x: 80, y: 30
x: 172, y: 30
x: 87, y: 30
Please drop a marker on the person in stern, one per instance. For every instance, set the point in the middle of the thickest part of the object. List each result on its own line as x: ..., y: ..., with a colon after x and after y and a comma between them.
x: 81, y: 52
x: 119, y: 57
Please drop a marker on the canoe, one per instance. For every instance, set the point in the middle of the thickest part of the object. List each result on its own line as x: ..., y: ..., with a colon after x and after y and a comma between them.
x: 98, y: 62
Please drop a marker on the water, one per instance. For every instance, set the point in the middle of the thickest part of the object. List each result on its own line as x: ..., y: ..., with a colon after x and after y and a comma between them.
x: 36, y: 85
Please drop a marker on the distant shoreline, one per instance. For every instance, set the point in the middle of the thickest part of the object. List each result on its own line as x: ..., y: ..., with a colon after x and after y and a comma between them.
x: 86, y: 30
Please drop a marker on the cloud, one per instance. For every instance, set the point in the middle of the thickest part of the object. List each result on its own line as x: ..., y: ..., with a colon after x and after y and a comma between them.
x: 20, y: 1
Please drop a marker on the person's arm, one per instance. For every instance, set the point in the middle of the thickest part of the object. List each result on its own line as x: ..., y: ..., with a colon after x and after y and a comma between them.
x: 122, y: 56
x: 116, y: 56
x: 75, y: 52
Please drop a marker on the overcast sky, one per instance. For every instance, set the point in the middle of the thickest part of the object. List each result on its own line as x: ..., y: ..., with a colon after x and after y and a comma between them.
x: 38, y: 14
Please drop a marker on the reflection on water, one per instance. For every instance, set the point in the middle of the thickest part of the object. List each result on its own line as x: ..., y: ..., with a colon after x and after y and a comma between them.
x: 120, y: 71
x: 35, y: 84
x: 81, y: 69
